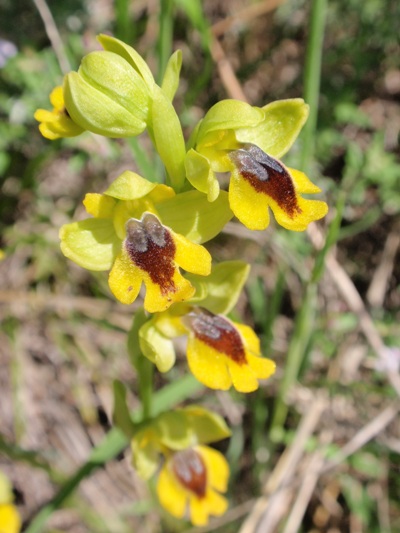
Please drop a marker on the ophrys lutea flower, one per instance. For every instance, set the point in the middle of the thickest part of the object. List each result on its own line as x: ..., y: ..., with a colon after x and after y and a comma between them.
x: 57, y: 123
x: 248, y: 142
x: 191, y: 482
x: 193, y: 476
x: 222, y: 353
x: 127, y: 237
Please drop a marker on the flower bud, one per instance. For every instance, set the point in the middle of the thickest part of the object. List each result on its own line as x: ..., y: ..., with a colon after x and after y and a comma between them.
x: 107, y: 96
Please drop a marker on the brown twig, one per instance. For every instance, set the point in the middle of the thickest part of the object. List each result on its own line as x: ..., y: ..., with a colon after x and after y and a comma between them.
x: 354, y: 301
x: 267, y: 510
x: 367, y: 433
x: 226, y: 72
x: 244, y: 16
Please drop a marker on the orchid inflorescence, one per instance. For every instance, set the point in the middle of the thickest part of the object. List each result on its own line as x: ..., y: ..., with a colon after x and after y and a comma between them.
x: 152, y: 235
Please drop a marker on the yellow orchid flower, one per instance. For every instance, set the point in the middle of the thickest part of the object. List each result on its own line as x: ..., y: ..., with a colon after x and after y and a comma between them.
x: 127, y: 237
x: 248, y: 142
x: 194, y: 479
x: 222, y: 353
x: 57, y: 123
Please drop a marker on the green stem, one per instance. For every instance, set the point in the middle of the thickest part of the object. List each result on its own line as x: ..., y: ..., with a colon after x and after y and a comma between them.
x: 143, y: 366
x: 304, y: 324
x: 164, y: 45
x: 112, y: 445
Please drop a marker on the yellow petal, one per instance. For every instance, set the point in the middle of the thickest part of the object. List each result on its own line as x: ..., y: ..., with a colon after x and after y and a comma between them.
x: 98, y: 205
x: 302, y: 183
x: 310, y: 210
x: 250, y: 339
x: 217, y: 467
x: 243, y: 377
x: 10, y: 521
x: 158, y: 300
x: 170, y: 494
x: 125, y: 279
x: 192, y: 257
x: 57, y: 98
x: 198, y: 508
x: 262, y: 367
x: 208, y: 365
x: 249, y: 206
x: 43, y: 115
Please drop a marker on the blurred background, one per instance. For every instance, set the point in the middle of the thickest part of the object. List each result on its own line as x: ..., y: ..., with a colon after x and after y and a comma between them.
x: 316, y: 449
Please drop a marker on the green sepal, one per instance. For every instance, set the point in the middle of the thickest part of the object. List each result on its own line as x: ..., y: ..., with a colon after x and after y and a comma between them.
x: 166, y: 130
x: 129, y: 54
x: 110, y: 74
x: 193, y: 216
x: 145, y: 448
x: 229, y: 115
x: 121, y: 416
x: 129, y: 186
x: 170, y: 81
x: 190, y: 426
x: 200, y: 175
x: 206, y: 425
x: 158, y: 348
x: 97, y: 112
x: 222, y: 287
x: 91, y: 243
x: 282, y: 123
x: 174, y: 430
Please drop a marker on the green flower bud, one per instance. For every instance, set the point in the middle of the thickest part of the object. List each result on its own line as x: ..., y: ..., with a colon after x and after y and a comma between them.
x: 107, y: 96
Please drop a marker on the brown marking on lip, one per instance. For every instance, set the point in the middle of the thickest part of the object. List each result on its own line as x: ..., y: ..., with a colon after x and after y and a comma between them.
x: 217, y: 332
x: 151, y: 247
x: 267, y: 176
x: 189, y: 468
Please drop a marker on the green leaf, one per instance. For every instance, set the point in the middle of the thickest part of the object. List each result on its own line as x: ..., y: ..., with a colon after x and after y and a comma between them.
x: 367, y: 464
x: 91, y: 243
x: 194, y: 217
x: 121, y: 416
x: 170, y: 81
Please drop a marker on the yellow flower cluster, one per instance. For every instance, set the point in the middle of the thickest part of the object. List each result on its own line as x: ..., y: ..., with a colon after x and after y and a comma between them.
x: 150, y: 238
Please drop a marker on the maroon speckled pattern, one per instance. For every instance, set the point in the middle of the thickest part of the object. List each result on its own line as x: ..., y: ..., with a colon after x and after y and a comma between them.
x: 151, y: 247
x: 217, y: 332
x: 267, y: 176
